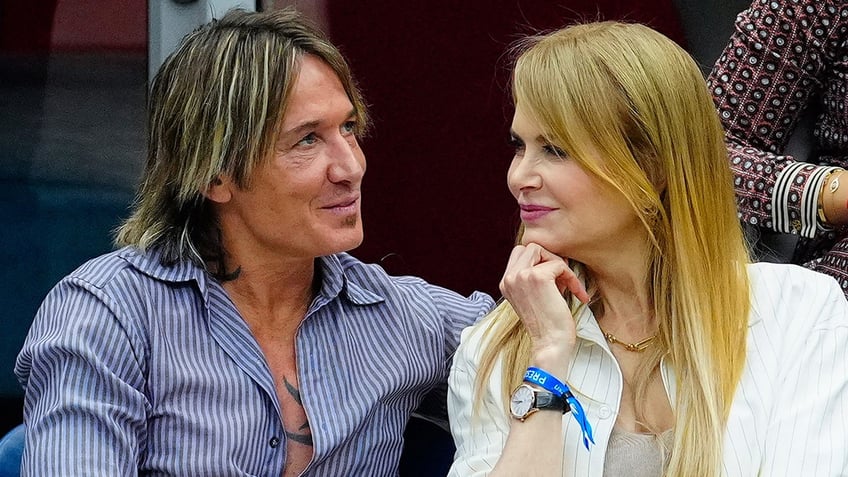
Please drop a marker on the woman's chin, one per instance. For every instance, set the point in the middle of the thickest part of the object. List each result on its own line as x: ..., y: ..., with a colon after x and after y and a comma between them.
x: 558, y: 247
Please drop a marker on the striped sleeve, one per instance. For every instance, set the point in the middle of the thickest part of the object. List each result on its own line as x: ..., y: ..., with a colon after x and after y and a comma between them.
x: 807, y: 429
x: 798, y: 185
x: 479, y: 437
x: 456, y: 313
x: 84, y: 408
x: 809, y: 434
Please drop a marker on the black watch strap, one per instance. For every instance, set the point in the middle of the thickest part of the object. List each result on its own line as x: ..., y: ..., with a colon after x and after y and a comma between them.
x: 549, y: 400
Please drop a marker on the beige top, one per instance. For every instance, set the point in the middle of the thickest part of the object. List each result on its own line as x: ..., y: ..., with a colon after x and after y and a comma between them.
x: 637, y: 455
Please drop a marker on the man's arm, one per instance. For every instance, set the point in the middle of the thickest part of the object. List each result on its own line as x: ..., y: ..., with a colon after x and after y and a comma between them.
x: 457, y: 313
x: 84, y: 408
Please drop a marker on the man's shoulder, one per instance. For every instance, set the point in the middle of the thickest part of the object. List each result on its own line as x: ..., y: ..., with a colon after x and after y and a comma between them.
x: 408, y: 288
x: 372, y: 274
x: 101, y: 270
x: 131, y: 264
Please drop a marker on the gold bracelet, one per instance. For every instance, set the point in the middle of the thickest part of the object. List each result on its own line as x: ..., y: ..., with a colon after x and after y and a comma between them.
x: 832, y: 187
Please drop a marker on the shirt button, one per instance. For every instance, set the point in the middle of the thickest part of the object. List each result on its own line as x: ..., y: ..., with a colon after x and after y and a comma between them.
x: 274, y: 442
x: 604, y: 412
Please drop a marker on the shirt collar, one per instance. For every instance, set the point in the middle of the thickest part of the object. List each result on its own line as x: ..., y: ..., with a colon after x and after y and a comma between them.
x: 337, y: 279
x: 149, y: 262
x: 587, y: 327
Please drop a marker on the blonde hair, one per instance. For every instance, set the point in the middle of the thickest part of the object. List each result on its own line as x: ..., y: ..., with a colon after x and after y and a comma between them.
x: 215, y: 106
x: 639, y: 99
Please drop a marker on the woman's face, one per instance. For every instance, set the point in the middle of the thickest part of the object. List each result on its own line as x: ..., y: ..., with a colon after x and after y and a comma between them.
x: 564, y: 208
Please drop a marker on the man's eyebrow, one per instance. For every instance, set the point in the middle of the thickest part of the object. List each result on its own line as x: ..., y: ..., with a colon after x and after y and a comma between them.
x: 308, y: 125
x: 301, y: 128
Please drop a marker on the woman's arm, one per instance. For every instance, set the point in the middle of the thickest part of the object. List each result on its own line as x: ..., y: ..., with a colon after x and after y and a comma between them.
x: 533, y: 283
x: 807, y: 423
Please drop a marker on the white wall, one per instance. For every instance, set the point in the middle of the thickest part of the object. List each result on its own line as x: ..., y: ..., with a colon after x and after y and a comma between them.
x: 169, y: 21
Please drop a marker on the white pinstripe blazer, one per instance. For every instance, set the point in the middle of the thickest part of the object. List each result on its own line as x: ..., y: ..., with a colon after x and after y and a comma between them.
x: 789, y: 416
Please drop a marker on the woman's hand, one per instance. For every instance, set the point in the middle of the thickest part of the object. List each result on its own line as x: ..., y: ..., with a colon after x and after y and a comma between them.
x: 533, y: 283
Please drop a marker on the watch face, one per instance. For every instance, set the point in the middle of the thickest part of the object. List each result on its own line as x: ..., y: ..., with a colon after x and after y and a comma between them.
x: 521, y: 401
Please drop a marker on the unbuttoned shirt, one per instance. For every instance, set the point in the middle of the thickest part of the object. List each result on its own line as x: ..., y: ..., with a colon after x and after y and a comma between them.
x: 789, y: 416
x: 135, y: 368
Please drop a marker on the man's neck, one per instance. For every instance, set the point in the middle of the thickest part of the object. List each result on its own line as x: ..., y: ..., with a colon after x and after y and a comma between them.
x: 273, y: 296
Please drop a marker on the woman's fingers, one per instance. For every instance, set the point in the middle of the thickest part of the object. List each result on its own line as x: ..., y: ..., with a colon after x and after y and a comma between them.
x: 569, y: 280
x: 534, y: 264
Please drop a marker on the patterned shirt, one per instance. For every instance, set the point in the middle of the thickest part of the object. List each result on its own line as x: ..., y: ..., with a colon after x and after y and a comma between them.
x: 135, y: 368
x: 784, y: 56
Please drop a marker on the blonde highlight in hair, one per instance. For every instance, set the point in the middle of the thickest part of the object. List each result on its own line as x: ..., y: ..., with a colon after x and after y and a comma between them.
x: 639, y: 100
x: 214, y: 109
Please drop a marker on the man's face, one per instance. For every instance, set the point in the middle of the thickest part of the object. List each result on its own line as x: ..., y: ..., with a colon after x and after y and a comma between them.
x: 304, y: 201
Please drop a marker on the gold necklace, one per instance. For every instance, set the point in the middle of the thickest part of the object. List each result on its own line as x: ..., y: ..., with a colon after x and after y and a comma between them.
x: 635, y: 347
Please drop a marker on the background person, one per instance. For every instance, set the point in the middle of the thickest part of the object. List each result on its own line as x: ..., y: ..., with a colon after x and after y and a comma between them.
x: 783, y: 58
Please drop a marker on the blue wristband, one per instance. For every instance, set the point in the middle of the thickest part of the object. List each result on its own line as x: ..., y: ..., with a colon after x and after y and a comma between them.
x: 546, y: 381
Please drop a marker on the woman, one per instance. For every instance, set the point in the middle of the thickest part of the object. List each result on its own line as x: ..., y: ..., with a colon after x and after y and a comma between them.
x: 631, y: 285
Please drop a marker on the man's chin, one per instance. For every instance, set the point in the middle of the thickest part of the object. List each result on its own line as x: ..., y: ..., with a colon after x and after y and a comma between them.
x: 346, y: 241
x: 352, y: 221
x: 354, y: 244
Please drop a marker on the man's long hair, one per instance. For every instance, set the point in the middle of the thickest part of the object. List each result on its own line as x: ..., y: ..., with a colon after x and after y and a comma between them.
x: 215, y: 107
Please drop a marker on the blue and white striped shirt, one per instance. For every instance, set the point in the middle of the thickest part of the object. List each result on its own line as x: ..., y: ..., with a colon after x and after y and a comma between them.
x: 133, y: 368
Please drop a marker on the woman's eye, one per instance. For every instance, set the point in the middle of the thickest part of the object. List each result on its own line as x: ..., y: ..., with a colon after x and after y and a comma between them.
x: 308, y: 140
x: 516, y: 144
x: 555, y: 151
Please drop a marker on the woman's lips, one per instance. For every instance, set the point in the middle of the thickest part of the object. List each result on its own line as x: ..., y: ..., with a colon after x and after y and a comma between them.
x: 530, y: 212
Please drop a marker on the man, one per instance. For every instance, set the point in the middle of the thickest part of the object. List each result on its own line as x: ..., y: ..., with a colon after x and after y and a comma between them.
x: 232, y: 335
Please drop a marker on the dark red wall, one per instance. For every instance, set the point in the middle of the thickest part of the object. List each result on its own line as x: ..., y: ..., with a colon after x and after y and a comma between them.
x: 38, y: 26
x: 434, y: 72
x: 435, y: 199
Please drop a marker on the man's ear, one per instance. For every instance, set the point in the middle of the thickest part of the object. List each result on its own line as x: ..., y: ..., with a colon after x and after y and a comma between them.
x: 219, y: 190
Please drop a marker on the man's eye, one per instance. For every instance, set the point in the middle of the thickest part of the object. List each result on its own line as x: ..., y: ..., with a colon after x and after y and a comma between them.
x: 349, y: 127
x: 308, y: 140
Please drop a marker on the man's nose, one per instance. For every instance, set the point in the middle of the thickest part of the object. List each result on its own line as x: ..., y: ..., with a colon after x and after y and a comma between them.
x: 348, y: 161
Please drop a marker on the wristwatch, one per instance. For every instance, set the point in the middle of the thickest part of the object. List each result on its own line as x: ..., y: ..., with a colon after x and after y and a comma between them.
x: 526, y: 400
